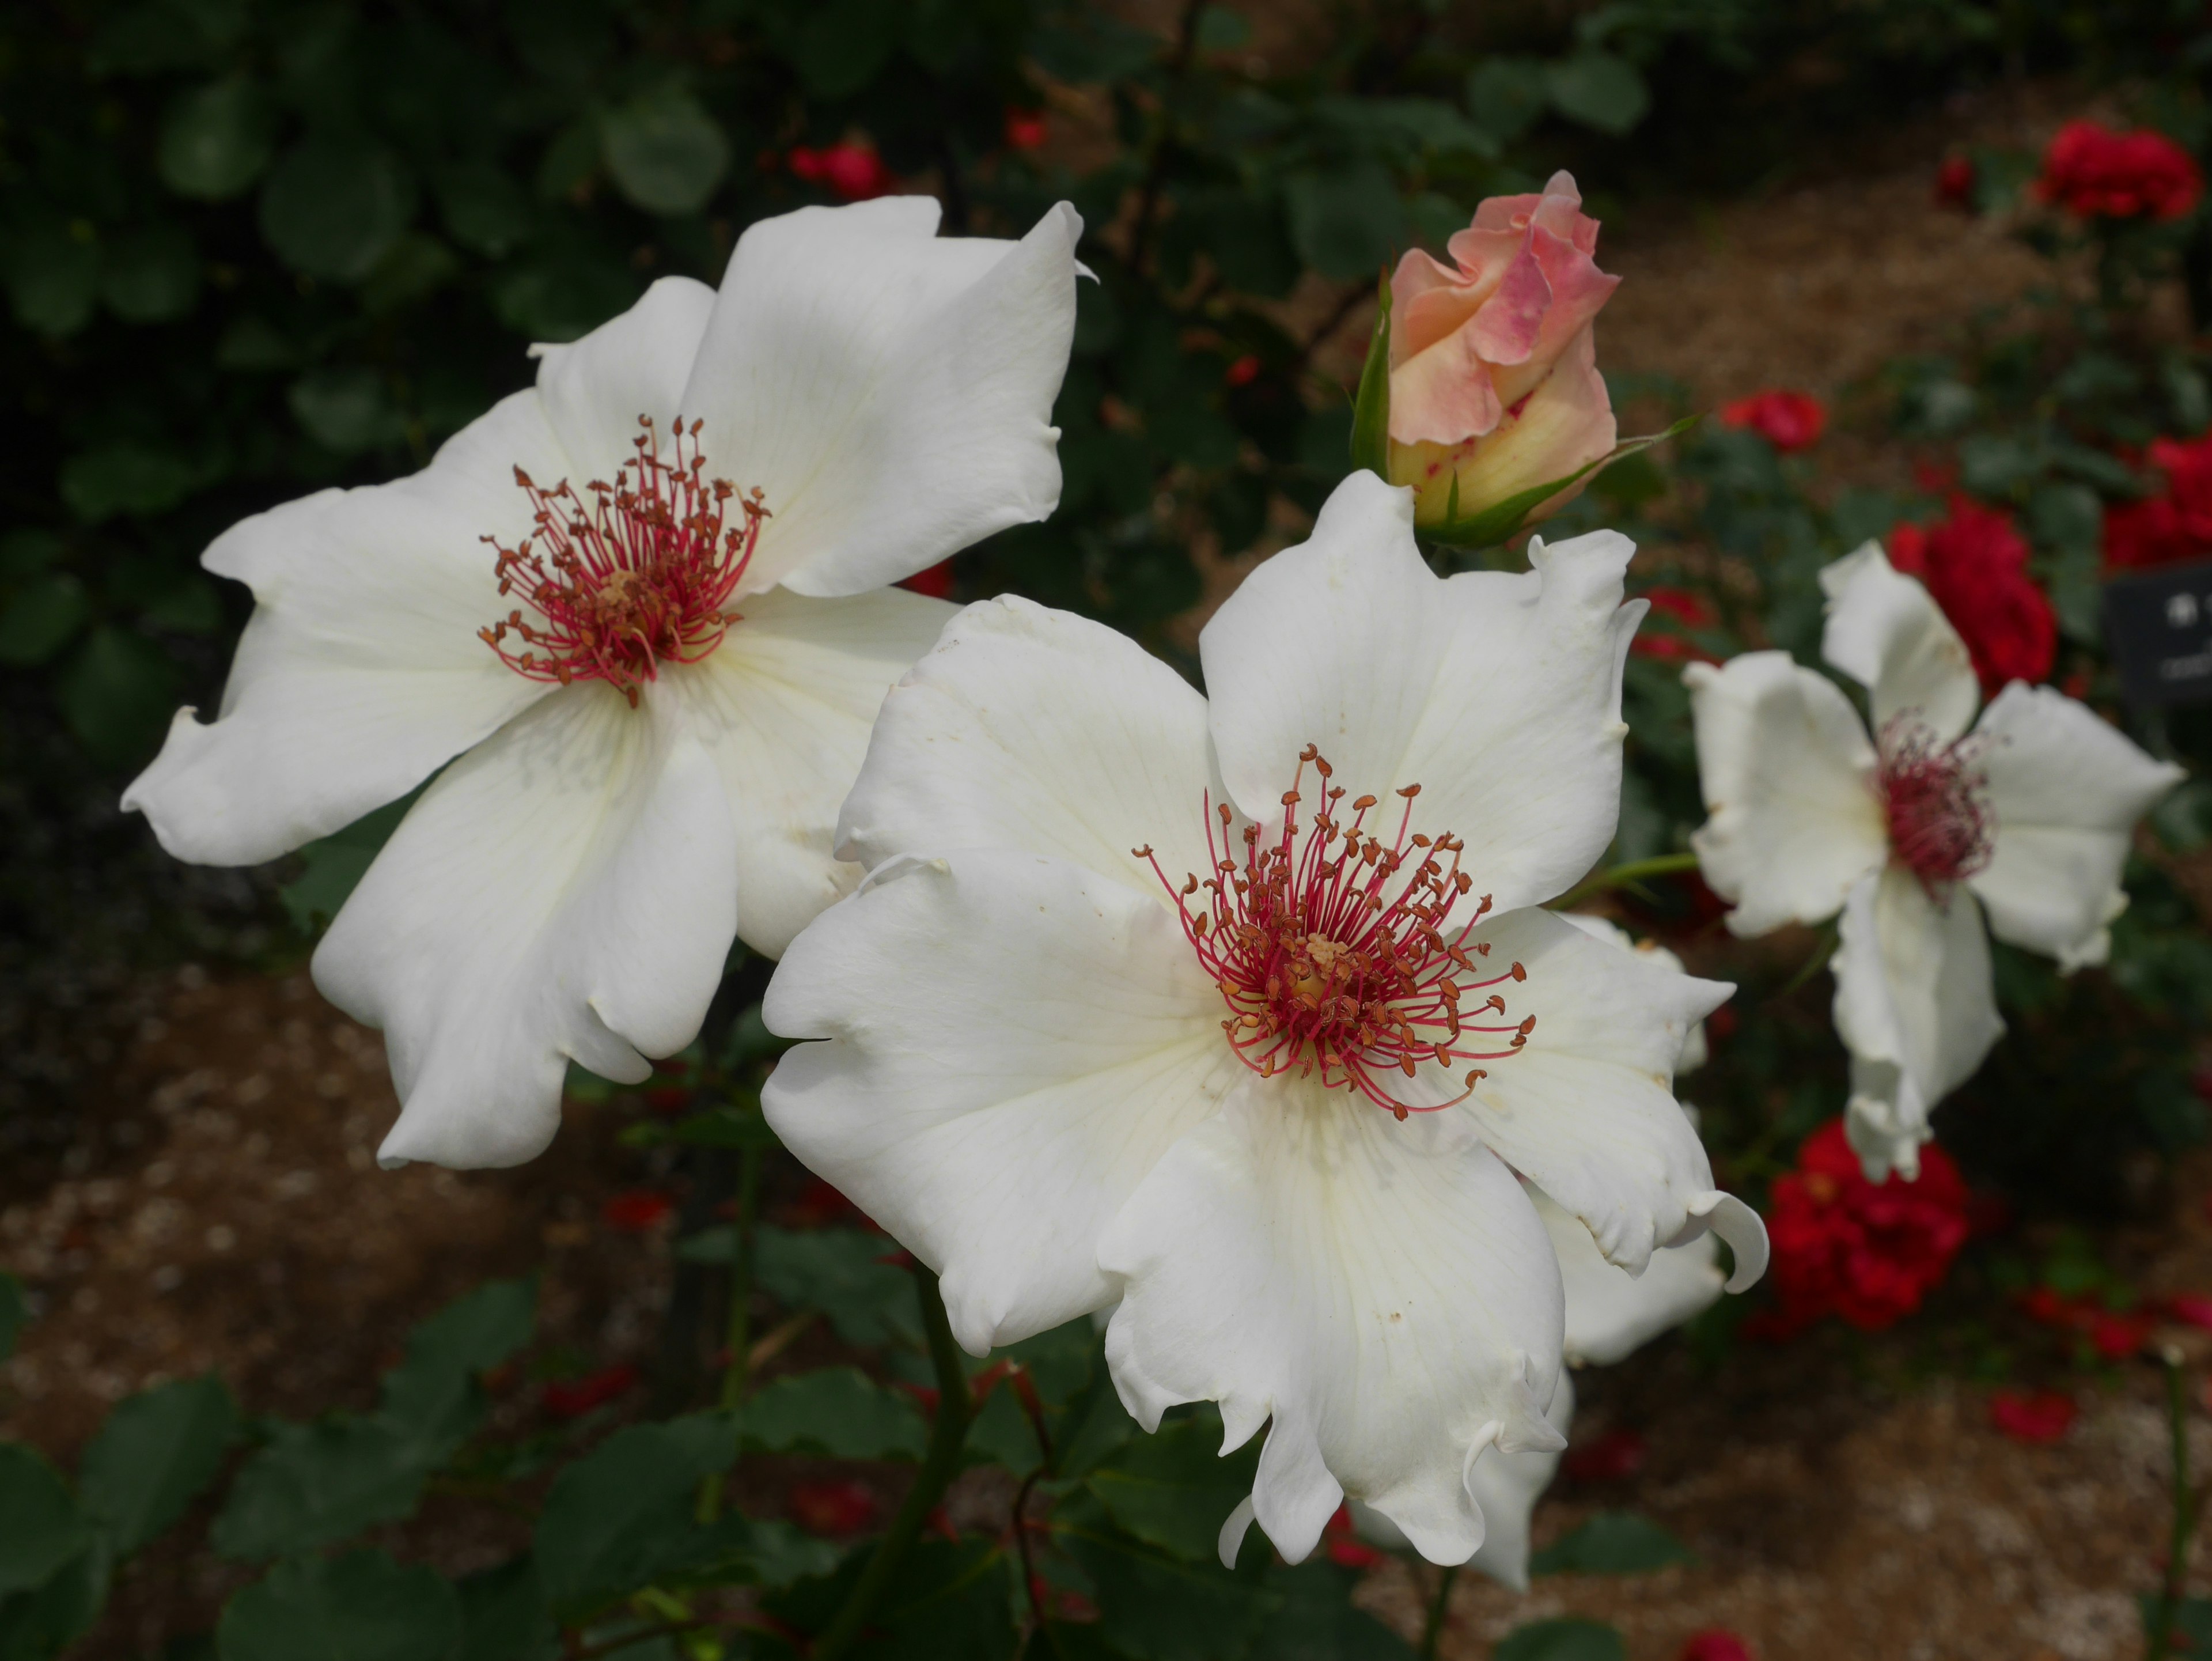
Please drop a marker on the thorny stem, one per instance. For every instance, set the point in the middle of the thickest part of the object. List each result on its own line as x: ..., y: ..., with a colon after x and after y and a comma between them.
x: 1433, y: 1629
x: 955, y: 1411
x: 2187, y: 1505
x: 1620, y: 876
x: 739, y: 1335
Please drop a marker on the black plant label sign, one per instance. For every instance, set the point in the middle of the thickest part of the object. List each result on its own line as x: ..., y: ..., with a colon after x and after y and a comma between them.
x: 2160, y: 625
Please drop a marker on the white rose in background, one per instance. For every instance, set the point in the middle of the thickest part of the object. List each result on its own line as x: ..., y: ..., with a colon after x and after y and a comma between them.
x: 1913, y: 835
x: 644, y: 602
x: 1275, y: 1109
x: 1610, y: 1314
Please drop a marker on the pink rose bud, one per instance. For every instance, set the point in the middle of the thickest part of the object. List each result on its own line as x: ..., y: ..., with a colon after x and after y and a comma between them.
x: 1493, y: 361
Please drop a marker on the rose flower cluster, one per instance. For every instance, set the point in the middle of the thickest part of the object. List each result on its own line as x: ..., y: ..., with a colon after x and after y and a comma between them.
x: 2097, y: 174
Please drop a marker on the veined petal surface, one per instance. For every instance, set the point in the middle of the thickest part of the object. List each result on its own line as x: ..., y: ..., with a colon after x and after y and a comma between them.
x: 1916, y: 1007
x: 889, y: 389
x: 1011, y: 1043
x: 785, y: 707
x: 360, y: 672
x: 1612, y: 1313
x: 1035, y: 729
x: 595, y: 389
x: 2066, y: 789
x: 563, y: 892
x: 1886, y: 631
x: 1381, y: 1290
x: 1788, y: 776
x: 1499, y: 695
x: 1586, y: 1109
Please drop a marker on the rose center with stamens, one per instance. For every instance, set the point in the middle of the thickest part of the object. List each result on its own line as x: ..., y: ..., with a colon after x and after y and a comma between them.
x: 1935, y: 800
x: 1343, y: 956
x: 640, y: 575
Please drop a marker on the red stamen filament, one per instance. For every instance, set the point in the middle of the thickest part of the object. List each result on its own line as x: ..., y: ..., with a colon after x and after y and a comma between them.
x: 1936, y: 802
x: 1324, y: 966
x: 639, y: 578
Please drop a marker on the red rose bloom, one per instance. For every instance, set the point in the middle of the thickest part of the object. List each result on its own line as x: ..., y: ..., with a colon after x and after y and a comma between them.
x: 936, y: 581
x: 834, y: 1508
x: 1345, y: 1548
x: 1789, y: 421
x: 2162, y: 530
x: 635, y: 1210
x: 851, y: 172
x: 1954, y: 183
x: 1025, y: 129
x: 1715, y: 1644
x: 572, y: 1398
x: 1868, y: 1252
x: 1975, y: 564
x: 2097, y: 174
x: 2035, y: 1417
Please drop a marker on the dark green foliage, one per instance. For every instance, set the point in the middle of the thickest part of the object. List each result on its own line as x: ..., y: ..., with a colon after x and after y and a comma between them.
x: 1564, y: 1640
x: 624, y: 1513
x: 154, y: 1454
x: 1612, y: 1543
x: 359, y: 1607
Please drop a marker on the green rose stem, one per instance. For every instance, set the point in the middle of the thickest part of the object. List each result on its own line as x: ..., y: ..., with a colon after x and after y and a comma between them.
x: 1621, y: 876
x: 955, y: 1413
x: 1434, y: 1630
x: 2188, y: 1506
x: 738, y: 1337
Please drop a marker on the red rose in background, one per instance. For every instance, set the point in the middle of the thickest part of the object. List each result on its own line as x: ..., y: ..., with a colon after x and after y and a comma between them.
x: 1679, y: 606
x: 635, y: 1210
x: 1345, y: 1548
x: 572, y: 1398
x: 936, y: 581
x: 1868, y: 1252
x: 851, y: 172
x: 1954, y: 183
x: 2098, y: 174
x: 833, y: 1508
x: 1715, y: 1644
x: 2035, y: 1417
x: 1789, y: 421
x: 1025, y: 129
x: 1975, y: 564
x: 2162, y: 529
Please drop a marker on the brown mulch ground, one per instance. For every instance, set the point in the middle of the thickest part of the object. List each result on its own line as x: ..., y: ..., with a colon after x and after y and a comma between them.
x: 217, y: 1204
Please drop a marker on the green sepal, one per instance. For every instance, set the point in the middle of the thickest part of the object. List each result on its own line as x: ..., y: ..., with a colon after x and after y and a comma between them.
x: 1504, y: 519
x: 1370, y: 410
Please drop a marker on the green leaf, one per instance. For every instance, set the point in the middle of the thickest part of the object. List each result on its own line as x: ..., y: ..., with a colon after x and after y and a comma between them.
x: 334, y: 865
x: 561, y: 297
x: 42, y: 1623
x: 485, y: 209
x: 1346, y: 220
x: 361, y: 1607
x: 1175, y: 1489
x: 1612, y: 1543
x: 315, y: 1485
x: 504, y: 1616
x: 15, y: 1313
x: 1370, y: 407
x: 53, y: 276
x: 843, y: 1273
x: 154, y: 1454
x: 216, y: 140
x: 346, y: 409
x: 117, y: 694
x: 433, y: 1395
x: 43, y: 617
x: 1154, y: 1607
x: 2183, y: 820
x: 41, y: 1527
x: 1599, y: 90
x: 624, y: 1513
x: 775, y: 1554
x: 945, y: 1602
x: 837, y: 47
x: 124, y: 479
x: 1318, y: 1622
x: 1504, y: 96
x: 665, y: 152
x: 151, y: 276
x: 1566, y: 1639
x: 335, y: 204
x: 838, y: 1413
x: 1503, y: 519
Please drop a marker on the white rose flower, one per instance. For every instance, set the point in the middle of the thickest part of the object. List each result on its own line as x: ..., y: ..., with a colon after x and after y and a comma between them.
x: 644, y: 603
x: 1914, y: 834
x: 1240, y: 1012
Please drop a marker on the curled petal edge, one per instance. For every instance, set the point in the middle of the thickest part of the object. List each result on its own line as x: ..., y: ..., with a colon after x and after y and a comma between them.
x: 1737, y: 1224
